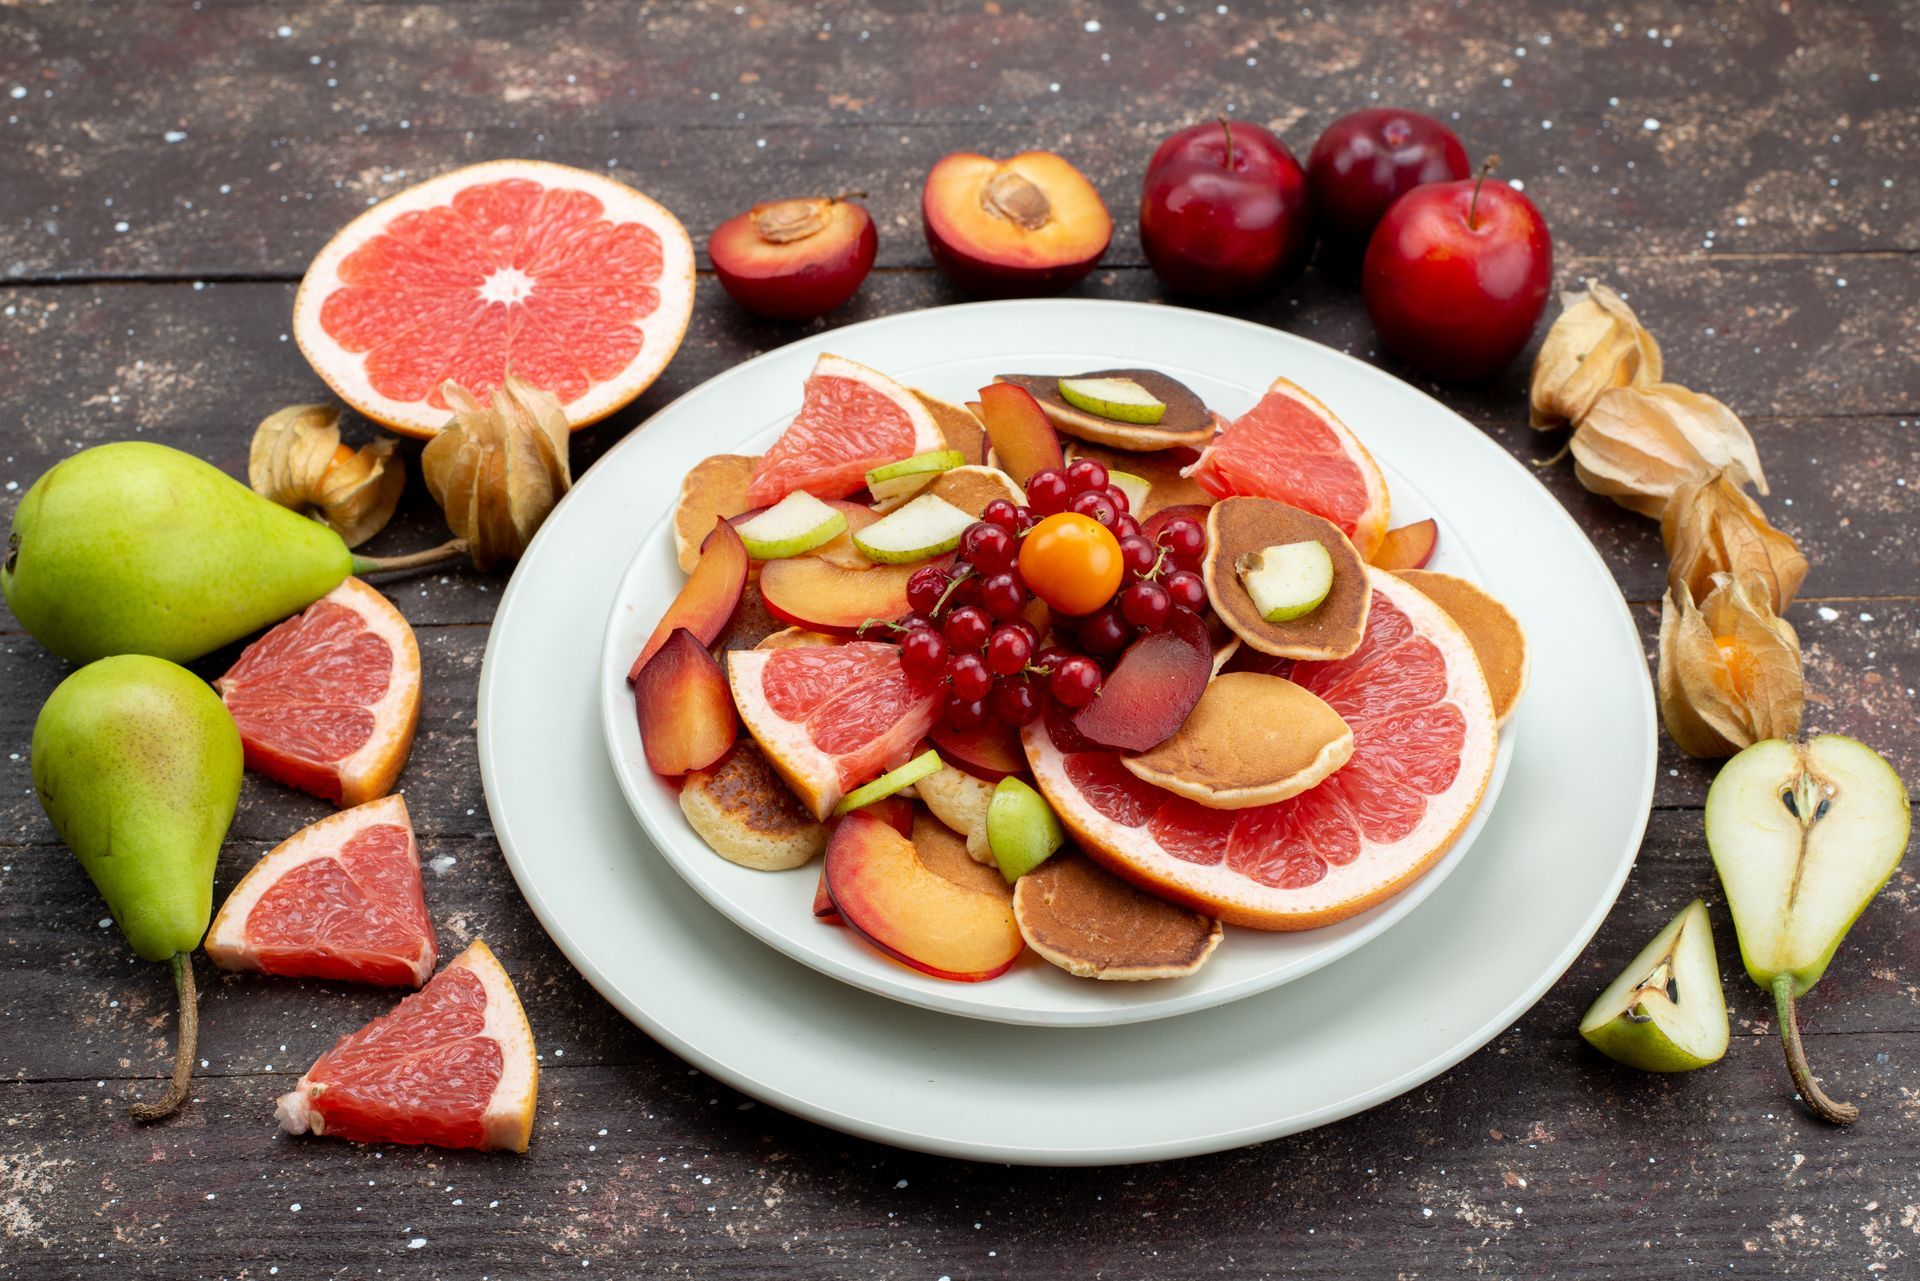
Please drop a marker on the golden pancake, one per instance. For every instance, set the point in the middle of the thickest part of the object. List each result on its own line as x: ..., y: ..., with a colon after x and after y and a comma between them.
x: 1094, y: 925
x: 748, y: 815
x: 1251, y: 740
x: 1495, y: 634
x: 1187, y: 421
x: 971, y: 488
x: 957, y: 423
x: 1238, y: 526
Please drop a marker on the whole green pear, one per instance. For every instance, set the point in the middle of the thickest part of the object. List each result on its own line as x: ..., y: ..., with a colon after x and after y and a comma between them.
x: 136, y: 548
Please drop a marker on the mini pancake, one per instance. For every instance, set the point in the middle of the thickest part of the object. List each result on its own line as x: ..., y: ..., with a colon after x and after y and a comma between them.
x: 1237, y: 526
x: 959, y: 800
x: 1094, y: 925
x: 748, y: 815
x: 1187, y: 421
x: 945, y: 855
x: 1160, y: 469
x: 1250, y: 740
x: 750, y: 624
x: 796, y: 638
x: 715, y: 490
x: 957, y: 423
x: 1495, y: 634
x: 972, y: 487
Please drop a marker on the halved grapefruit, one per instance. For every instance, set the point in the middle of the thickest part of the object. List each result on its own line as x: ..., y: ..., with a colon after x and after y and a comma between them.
x: 577, y: 283
x: 340, y: 899
x: 453, y: 1065
x: 1291, y: 447
x: 851, y: 420
x: 831, y: 717
x: 1423, y: 735
x: 327, y: 701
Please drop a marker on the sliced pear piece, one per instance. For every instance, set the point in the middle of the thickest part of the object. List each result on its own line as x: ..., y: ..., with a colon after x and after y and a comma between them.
x: 1803, y: 835
x: 1021, y: 829
x: 1287, y: 581
x: 894, y: 483
x: 1666, y: 1012
x: 890, y: 782
x: 793, y: 526
x: 1121, y: 400
x: 927, y: 526
x: 1136, y: 488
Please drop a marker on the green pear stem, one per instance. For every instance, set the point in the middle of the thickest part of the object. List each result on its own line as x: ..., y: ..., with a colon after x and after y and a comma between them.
x: 1822, y: 1106
x: 182, y: 963
x: 452, y: 549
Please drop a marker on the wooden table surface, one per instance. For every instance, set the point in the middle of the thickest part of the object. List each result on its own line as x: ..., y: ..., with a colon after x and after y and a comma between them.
x: 1744, y: 173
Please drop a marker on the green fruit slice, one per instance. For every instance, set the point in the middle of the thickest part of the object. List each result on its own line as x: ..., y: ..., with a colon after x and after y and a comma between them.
x: 1666, y: 1012
x: 927, y: 526
x: 793, y: 526
x: 1021, y: 829
x: 896, y: 480
x: 1136, y: 488
x: 892, y: 781
x: 1120, y: 399
x: 1288, y: 580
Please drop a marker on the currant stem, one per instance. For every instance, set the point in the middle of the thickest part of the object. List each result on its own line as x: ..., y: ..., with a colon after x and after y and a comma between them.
x: 452, y: 549
x: 176, y: 1092
x: 1817, y: 1101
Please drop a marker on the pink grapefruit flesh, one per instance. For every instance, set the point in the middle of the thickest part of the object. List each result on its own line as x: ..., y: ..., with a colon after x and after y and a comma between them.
x: 852, y: 419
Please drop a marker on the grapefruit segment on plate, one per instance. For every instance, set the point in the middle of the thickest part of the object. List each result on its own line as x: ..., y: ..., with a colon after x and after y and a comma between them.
x: 831, y: 717
x: 340, y: 899
x: 1423, y: 748
x: 1291, y: 447
x: 452, y: 1065
x: 328, y: 701
x: 851, y: 420
x: 577, y: 283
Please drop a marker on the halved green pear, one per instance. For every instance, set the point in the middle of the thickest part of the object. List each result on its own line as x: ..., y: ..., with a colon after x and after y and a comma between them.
x: 1666, y: 1012
x: 1136, y: 488
x: 1287, y: 581
x: 1803, y: 835
x: 892, y: 781
x: 927, y: 526
x: 1120, y: 399
x: 1022, y: 831
x: 894, y: 482
x: 793, y: 526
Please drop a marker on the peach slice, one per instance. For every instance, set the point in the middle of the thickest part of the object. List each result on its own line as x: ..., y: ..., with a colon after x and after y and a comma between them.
x: 1153, y: 688
x: 747, y: 814
x: 794, y: 259
x: 1251, y: 740
x: 1013, y: 228
x: 888, y: 896
x: 958, y: 424
x: 1408, y: 546
x: 897, y: 812
x: 687, y: 721
x: 1023, y: 440
x: 989, y: 751
x: 715, y: 490
x: 821, y: 596
x: 709, y: 597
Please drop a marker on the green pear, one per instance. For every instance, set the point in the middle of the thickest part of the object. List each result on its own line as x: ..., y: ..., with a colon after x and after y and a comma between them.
x: 138, y: 763
x: 1666, y: 1012
x: 135, y: 548
x: 1022, y: 831
x: 1803, y: 835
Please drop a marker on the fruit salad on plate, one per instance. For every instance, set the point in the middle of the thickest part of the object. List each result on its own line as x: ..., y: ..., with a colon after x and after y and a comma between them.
x: 1077, y: 667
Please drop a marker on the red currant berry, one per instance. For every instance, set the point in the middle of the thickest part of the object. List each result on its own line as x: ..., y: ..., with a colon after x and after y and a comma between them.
x: 1003, y: 596
x: 1184, y: 538
x: 923, y: 654
x: 1085, y: 474
x: 1125, y: 526
x: 925, y: 587
x: 1137, y: 554
x: 1146, y: 604
x: 1003, y: 513
x: 1052, y: 657
x: 1076, y: 681
x: 1048, y: 491
x: 969, y: 676
x: 1008, y: 650
x: 989, y: 547
x: 1013, y: 701
x: 914, y: 622
x: 1104, y: 631
x: 966, y: 713
x: 1095, y: 503
x: 1186, y: 588
x: 966, y: 591
x: 967, y: 629
x: 1119, y: 497
x: 1027, y: 519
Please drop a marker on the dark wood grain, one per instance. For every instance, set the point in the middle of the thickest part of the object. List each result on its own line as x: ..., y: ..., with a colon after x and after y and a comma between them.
x: 166, y: 171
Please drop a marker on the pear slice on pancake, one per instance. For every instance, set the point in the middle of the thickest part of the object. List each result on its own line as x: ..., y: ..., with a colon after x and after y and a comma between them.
x: 1187, y: 421
x: 972, y: 487
x: 1252, y: 739
x: 1495, y: 634
x: 1239, y: 526
x: 1094, y: 925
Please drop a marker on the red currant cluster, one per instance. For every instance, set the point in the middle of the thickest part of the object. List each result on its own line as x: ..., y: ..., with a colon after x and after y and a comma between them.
x: 1160, y: 574
x: 1082, y: 487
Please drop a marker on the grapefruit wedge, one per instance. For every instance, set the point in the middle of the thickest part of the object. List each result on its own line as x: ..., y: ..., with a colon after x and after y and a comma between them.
x: 1291, y: 447
x: 851, y: 420
x: 340, y: 899
x: 327, y: 701
x: 453, y: 1065
x: 1423, y: 746
x: 577, y: 283
x: 831, y: 717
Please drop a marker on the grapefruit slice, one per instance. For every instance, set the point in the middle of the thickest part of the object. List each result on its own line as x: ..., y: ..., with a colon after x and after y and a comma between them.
x: 1291, y: 447
x: 830, y: 718
x: 327, y: 701
x: 339, y: 899
x: 1423, y: 745
x: 453, y: 1065
x: 577, y: 283
x: 852, y: 420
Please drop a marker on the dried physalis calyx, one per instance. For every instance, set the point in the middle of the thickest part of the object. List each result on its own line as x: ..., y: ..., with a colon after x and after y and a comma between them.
x: 1729, y: 669
x: 297, y: 460
x: 1596, y: 343
x: 1712, y: 527
x: 497, y: 469
x: 1639, y: 444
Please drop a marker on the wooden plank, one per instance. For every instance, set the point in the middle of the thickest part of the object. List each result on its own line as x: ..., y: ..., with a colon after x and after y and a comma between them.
x: 242, y: 148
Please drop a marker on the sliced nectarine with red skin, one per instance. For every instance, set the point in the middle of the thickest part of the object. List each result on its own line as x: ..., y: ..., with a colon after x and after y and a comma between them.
x: 989, y: 751
x: 1152, y: 689
x: 823, y: 908
x: 794, y: 259
x: 1013, y: 228
x: 1024, y: 441
x: 709, y: 597
x: 821, y: 596
x: 1408, y: 546
x: 887, y: 896
x: 687, y: 718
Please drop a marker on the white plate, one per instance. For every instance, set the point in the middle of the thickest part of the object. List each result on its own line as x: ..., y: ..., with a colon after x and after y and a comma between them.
x: 1454, y: 974
x: 752, y: 407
